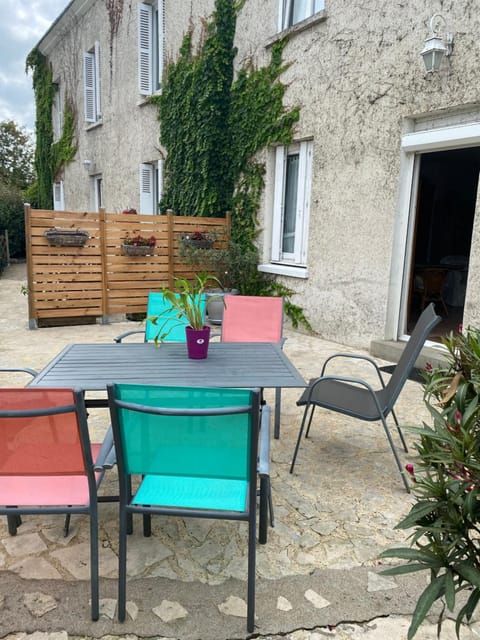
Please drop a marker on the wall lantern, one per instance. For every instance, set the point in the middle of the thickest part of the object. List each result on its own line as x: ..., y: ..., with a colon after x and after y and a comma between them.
x: 436, y: 46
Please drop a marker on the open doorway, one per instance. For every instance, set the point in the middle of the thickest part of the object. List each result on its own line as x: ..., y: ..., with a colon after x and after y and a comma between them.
x: 445, y: 211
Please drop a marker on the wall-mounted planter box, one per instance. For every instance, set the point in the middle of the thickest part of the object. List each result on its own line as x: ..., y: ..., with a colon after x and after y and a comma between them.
x: 66, y: 237
x: 137, y: 250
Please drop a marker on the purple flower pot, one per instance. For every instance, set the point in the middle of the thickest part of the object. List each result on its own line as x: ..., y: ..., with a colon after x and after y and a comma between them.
x: 197, y: 342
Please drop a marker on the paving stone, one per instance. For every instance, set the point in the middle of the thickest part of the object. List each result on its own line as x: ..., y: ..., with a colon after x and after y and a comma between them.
x: 39, y: 603
x: 234, y: 606
x: 169, y: 611
x: 24, y: 544
x: 107, y: 607
x: 283, y: 604
x: 316, y: 599
x: 35, y: 568
x: 380, y: 583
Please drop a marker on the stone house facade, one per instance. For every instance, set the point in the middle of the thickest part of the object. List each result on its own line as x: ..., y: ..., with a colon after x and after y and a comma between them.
x: 379, y: 187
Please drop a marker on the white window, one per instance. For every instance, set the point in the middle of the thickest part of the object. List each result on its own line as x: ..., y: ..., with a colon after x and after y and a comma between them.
x: 150, y: 46
x: 98, y: 192
x: 291, y: 204
x: 150, y: 187
x: 293, y: 11
x: 58, y: 197
x: 91, y: 84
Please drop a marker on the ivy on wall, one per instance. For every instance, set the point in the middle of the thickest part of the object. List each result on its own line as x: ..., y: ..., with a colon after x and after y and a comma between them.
x: 212, y: 125
x: 50, y: 157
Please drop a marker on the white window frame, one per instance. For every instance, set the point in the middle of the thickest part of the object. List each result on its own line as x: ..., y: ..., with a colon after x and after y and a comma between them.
x: 286, y: 8
x: 151, y: 35
x: 298, y: 257
x: 150, y: 186
x: 91, y: 84
x: 98, y: 191
x: 58, y: 196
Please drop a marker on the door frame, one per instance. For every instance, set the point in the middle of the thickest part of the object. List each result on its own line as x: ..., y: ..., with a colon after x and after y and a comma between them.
x: 413, y: 144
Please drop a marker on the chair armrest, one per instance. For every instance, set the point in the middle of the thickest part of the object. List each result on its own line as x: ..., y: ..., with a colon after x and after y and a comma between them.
x: 31, y: 372
x: 106, y: 458
x: 264, y: 443
x: 355, y: 356
x: 120, y: 337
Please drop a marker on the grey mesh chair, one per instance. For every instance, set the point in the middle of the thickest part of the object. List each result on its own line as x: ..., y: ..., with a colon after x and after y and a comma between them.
x: 356, y: 397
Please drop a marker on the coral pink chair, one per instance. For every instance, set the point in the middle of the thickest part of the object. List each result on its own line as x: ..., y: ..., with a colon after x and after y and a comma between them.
x: 47, y: 463
x: 255, y: 319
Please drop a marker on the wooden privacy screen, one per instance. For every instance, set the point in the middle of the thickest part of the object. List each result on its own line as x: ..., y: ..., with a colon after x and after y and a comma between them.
x: 96, y: 280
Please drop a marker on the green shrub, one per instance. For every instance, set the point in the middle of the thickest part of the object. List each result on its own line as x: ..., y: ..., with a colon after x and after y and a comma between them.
x: 446, y: 486
x: 12, y: 219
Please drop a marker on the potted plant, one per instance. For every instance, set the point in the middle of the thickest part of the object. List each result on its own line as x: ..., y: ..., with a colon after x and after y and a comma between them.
x: 138, y: 245
x: 197, y: 240
x: 66, y: 237
x: 187, y: 302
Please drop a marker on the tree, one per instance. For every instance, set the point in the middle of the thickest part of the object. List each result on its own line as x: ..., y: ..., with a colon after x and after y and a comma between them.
x: 16, y: 155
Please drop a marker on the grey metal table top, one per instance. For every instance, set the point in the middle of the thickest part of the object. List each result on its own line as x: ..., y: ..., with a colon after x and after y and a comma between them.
x: 91, y: 367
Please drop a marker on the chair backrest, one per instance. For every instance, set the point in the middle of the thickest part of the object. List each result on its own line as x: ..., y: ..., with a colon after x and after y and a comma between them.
x: 43, y: 431
x: 420, y: 333
x: 170, y: 323
x: 187, y: 431
x: 252, y: 319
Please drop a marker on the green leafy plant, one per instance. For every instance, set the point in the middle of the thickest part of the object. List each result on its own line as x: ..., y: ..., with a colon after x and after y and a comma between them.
x: 185, y: 301
x: 446, y: 486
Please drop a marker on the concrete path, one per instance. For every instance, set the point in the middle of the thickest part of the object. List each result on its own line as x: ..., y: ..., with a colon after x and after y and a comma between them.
x: 317, y: 577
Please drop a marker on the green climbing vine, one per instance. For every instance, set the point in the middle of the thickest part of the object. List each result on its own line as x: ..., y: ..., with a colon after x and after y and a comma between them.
x: 44, y: 91
x: 213, y: 126
x: 50, y: 157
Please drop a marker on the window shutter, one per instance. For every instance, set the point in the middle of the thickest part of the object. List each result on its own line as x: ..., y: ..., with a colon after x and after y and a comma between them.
x: 58, y: 200
x: 145, y: 22
x: 146, y: 188
x: 89, y: 86
x: 96, y: 60
x: 278, y: 202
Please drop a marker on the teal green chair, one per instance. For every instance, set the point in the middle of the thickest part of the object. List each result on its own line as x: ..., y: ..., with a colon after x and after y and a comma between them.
x: 193, y: 453
x: 170, y: 324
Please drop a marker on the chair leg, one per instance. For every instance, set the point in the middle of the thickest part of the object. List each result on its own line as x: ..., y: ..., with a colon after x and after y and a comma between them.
x: 13, y: 522
x: 266, y: 506
x: 122, y: 563
x: 402, y: 439
x: 94, y: 573
x: 278, y: 401
x: 66, y: 525
x: 251, y: 574
x: 395, y: 454
x: 147, y: 525
x: 307, y: 432
x: 302, y: 426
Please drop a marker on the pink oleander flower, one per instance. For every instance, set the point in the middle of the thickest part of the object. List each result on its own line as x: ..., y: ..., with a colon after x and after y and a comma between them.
x: 411, y: 471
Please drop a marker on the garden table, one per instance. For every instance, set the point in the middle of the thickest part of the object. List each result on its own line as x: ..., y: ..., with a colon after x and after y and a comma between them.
x: 91, y: 367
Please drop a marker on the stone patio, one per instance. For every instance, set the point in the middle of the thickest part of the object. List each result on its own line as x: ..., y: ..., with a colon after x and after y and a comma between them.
x: 317, y: 576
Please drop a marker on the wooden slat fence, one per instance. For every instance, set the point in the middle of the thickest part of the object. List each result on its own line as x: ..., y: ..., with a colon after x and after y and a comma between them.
x: 96, y: 280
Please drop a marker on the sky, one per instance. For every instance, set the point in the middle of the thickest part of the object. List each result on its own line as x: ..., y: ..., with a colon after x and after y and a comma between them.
x: 22, y: 24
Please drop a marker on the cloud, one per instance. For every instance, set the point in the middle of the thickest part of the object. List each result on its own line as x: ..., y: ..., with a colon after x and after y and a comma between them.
x: 23, y: 23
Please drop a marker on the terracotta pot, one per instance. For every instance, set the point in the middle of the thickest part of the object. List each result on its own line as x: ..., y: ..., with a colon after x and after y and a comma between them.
x: 197, y: 342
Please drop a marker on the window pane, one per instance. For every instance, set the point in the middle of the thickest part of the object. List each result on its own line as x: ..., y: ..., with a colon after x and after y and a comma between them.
x: 290, y: 210
x: 299, y: 10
